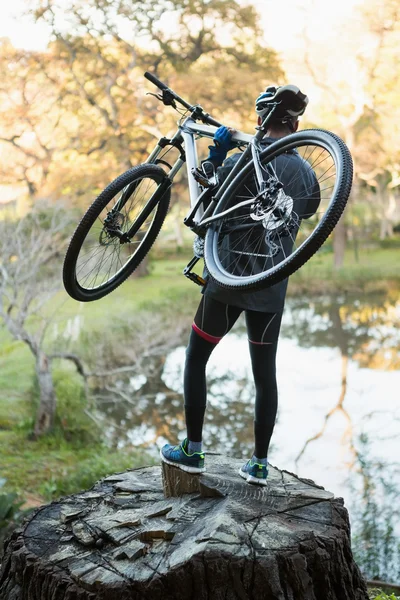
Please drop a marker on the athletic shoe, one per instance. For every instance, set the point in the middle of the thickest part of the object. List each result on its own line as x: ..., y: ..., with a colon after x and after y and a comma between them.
x: 254, y: 472
x: 179, y: 457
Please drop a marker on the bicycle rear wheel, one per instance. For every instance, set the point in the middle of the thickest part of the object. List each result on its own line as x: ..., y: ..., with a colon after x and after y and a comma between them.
x: 273, y: 231
x: 116, y: 232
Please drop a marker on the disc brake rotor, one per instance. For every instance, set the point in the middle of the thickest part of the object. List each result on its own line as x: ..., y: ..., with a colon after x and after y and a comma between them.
x: 278, y: 219
x: 112, y: 226
x: 276, y: 214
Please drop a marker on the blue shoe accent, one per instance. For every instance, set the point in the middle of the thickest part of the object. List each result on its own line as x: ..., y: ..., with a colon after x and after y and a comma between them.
x: 179, y: 457
x: 254, y: 472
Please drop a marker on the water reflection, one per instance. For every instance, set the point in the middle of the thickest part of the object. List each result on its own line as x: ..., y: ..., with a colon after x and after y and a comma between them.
x: 350, y: 327
x: 326, y: 346
x: 366, y: 335
x: 152, y: 413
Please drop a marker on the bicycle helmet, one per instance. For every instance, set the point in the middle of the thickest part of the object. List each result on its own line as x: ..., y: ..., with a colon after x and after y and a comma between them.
x: 290, y: 100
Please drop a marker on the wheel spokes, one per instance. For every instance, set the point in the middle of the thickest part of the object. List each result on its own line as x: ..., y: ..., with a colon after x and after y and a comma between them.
x: 105, y: 251
x: 287, y: 219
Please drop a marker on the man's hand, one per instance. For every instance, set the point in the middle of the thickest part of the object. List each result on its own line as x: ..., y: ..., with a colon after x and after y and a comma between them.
x: 223, y: 138
x: 222, y: 144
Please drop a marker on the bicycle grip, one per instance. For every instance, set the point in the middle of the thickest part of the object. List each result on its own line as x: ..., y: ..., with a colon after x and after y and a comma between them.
x: 155, y: 80
x: 212, y: 121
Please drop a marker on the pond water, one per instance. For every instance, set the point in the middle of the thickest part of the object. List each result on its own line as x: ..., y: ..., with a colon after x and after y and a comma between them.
x: 338, y: 369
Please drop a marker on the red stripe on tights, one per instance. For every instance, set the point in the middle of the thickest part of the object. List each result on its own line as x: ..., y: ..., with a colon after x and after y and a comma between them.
x: 206, y: 336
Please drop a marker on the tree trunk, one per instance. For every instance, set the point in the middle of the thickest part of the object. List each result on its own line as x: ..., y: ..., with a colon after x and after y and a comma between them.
x: 178, y: 231
x: 220, y: 539
x: 47, y: 405
x: 339, y: 243
x: 388, y: 203
x: 143, y: 269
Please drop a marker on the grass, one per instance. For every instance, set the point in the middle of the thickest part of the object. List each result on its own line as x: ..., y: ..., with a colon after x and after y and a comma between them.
x: 375, y: 271
x: 52, y: 467
x: 16, y: 373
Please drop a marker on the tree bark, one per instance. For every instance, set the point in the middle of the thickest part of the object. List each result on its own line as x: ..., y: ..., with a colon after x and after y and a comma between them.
x: 142, y: 270
x: 178, y: 231
x: 388, y: 203
x: 228, y: 540
x: 339, y: 243
x: 47, y: 406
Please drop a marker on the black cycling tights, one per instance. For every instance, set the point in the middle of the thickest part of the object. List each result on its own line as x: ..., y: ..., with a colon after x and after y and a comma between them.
x: 212, y: 321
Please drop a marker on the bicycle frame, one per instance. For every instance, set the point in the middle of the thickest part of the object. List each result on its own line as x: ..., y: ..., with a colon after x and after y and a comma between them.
x: 185, y: 140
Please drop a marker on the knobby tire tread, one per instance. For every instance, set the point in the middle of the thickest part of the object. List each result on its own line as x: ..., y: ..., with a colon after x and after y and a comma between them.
x: 71, y: 285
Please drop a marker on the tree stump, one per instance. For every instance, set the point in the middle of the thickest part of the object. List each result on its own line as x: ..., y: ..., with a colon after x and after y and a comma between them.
x: 226, y: 540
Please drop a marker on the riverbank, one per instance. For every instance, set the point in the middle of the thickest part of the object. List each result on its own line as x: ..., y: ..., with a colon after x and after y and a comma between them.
x: 165, y: 291
x: 374, y: 271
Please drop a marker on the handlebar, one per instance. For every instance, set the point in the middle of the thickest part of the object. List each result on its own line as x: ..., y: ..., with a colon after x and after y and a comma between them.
x: 156, y: 81
x: 196, y: 109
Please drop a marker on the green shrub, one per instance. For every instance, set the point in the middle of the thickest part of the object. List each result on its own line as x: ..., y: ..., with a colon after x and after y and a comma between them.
x: 388, y: 243
x: 71, y: 421
x: 9, y: 505
x: 379, y: 595
x: 10, y: 513
x: 84, y: 475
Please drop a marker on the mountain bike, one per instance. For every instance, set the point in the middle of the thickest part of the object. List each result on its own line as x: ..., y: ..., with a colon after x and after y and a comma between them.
x: 253, y: 230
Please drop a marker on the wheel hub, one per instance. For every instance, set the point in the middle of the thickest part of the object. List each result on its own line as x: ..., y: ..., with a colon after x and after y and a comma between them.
x: 112, y: 228
x: 274, y: 212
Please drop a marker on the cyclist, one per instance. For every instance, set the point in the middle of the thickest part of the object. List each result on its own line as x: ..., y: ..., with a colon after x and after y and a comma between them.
x: 220, y: 308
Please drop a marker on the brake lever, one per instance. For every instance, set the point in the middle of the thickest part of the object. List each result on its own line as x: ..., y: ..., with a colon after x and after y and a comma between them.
x: 158, y: 96
x: 166, y: 98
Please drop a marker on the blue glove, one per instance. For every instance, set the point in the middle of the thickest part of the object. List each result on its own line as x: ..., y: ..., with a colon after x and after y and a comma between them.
x: 222, y: 144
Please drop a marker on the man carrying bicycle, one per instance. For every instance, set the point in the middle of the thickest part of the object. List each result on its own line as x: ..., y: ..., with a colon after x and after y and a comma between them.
x: 220, y: 307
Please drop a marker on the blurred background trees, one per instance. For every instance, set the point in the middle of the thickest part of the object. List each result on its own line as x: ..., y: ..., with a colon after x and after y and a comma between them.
x: 75, y: 115
x: 358, y: 98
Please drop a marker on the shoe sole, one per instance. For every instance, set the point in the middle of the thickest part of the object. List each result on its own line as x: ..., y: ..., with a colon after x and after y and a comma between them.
x: 251, y: 479
x: 182, y: 467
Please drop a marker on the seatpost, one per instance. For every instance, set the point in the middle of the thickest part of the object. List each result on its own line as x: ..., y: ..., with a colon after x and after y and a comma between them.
x: 262, y: 129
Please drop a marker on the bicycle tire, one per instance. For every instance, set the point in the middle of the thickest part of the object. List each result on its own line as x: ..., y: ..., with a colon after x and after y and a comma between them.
x: 126, y: 184
x: 272, y: 274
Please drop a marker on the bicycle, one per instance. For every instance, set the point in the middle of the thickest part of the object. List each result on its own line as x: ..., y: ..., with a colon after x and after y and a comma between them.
x: 252, y: 232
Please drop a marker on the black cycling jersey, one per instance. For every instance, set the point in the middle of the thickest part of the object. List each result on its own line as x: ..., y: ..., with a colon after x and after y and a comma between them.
x: 301, y: 184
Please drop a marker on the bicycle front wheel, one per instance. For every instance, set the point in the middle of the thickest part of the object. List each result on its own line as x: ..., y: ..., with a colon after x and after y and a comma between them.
x: 116, y: 232
x: 268, y: 231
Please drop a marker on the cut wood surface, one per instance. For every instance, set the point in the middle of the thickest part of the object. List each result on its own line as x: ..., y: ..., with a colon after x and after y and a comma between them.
x: 225, y: 540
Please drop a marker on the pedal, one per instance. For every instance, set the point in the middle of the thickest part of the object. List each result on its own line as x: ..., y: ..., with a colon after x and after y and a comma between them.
x: 196, y: 278
x: 187, y: 271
